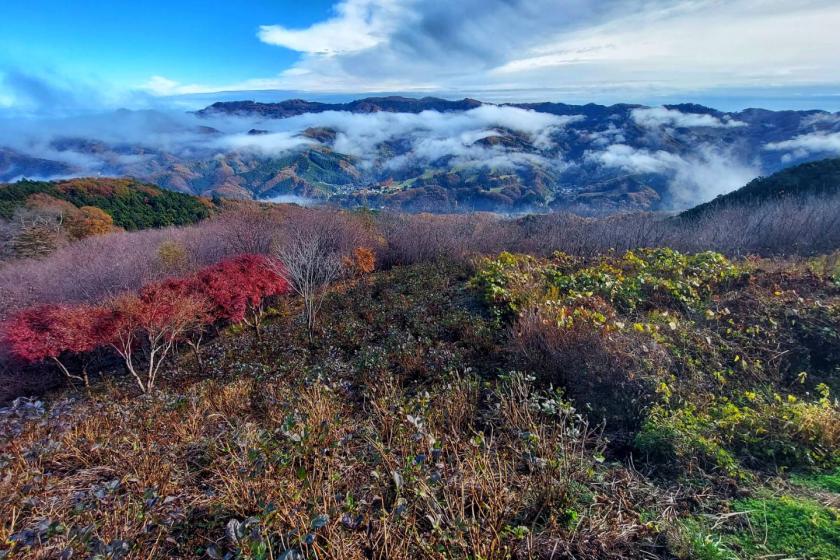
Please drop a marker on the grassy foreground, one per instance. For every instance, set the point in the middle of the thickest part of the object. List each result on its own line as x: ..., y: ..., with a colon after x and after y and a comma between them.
x: 649, y: 405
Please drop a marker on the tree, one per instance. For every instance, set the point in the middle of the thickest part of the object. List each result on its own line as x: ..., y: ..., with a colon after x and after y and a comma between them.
x: 173, y: 256
x: 238, y: 288
x: 151, y: 324
x: 53, y: 331
x: 309, y: 263
x: 363, y: 261
x: 88, y: 221
x: 36, y: 240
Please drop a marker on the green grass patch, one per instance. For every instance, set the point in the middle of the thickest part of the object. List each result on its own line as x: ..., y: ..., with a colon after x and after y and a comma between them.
x: 829, y: 481
x: 789, y: 526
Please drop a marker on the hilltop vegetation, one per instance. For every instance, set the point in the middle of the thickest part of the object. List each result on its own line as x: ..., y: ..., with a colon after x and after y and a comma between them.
x: 280, y: 382
x: 131, y: 204
x: 38, y: 217
x: 424, y: 422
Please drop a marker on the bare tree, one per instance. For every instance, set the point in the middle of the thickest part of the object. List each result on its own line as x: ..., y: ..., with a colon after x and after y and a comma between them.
x: 309, y: 262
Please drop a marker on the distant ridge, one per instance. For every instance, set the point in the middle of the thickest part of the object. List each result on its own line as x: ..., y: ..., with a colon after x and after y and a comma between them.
x: 294, y: 107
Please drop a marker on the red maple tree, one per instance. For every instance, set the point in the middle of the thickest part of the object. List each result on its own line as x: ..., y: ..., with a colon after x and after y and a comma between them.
x: 49, y: 332
x: 150, y: 324
x: 238, y: 288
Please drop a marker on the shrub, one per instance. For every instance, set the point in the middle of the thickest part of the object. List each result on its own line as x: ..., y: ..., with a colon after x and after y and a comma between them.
x: 509, y: 282
x: 763, y: 434
x: 650, y: 278
x: 88, y: 221
x: 53, y: 332
x: 150, y: 325
x: 173, y: 256
x: 237, y: 288
x: 598, y: 365
x: 364, y: 260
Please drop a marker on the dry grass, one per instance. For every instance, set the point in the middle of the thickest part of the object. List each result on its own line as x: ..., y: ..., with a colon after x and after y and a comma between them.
x: 329, y: 454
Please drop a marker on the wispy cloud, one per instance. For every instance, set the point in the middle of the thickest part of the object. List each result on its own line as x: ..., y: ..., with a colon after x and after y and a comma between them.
x: 357, y: 25
x: 516, y: 44
x: 657, y: 117
x: 807, y: 144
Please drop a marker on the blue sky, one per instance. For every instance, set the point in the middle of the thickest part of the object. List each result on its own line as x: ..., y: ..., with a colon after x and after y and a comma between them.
x: 212, y: 41
x: 728, y: 53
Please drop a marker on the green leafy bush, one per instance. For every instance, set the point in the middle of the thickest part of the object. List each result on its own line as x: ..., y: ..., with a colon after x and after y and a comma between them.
x: 759, y: 433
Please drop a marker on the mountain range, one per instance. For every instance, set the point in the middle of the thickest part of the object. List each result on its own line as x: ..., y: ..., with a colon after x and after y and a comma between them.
x: 432, y: 154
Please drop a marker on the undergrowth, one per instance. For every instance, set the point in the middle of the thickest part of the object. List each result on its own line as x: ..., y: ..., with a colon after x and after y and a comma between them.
x: 647, y: 405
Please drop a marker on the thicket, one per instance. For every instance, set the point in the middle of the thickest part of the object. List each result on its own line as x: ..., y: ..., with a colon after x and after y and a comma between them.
x: 699, y: 362
x: 144, y: 328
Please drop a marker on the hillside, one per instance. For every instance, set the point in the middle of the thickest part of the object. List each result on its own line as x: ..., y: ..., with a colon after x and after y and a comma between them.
x: 819, y: 178
x: 132, y: 204
x: 651, y: 405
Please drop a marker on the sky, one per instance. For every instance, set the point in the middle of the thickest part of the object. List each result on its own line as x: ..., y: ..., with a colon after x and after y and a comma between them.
x: 57, y: 55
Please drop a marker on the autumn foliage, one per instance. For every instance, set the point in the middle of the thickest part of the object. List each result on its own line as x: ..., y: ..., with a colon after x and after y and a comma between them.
x: 143, y: 328
x: 48, y: 332
x: 238, y: 287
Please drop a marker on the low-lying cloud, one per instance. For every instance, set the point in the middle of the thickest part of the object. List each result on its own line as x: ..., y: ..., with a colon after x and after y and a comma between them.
x: 127, y: 139
x: 705, y: 174
x: 151, y: 143
x: 807, y: 144
x: 657, y: 117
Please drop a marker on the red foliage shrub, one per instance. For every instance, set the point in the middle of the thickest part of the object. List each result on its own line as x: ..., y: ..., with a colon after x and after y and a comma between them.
x: 150, y: 324
x: 50, y: 331
x: 237, y: 287
x: 145, y: 327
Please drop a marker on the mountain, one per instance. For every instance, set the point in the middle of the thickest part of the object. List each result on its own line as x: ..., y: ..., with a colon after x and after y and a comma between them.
x: 14, y: 164
x: 440, y: 155
x: 294, y: 107
x: 818, y: 178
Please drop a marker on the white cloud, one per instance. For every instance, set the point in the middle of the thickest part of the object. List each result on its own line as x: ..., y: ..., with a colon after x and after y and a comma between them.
x: 695, y: 178
x: 163, y: 86
x: 656, y: 117
x: 635, y: 160
x: 807, y: 144
x: 424, y: 137
x: 271, y: 144
x: 356, y: 26
x: 477, y: 45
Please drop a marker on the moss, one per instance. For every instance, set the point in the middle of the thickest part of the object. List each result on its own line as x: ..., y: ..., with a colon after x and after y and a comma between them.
x: 829, y: 481
x: 788, y: 526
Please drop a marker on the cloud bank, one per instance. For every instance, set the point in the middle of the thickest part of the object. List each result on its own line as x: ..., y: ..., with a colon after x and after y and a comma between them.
x: 657, y: 117
x: 807, y: 144
x: 703, y: 175
x: 128, y: 139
